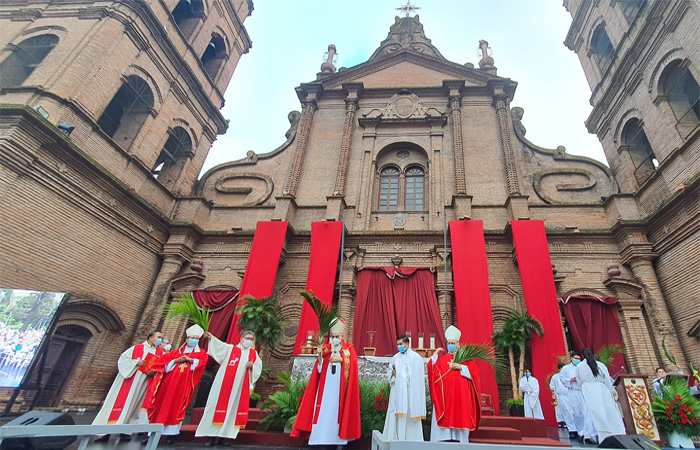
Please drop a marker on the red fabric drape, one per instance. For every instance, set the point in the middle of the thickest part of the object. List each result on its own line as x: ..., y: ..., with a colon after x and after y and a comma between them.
x: 472, y: 296
x: 323, y: 265
x: 223, y: 304
x: 594, y: 323
x: 537, y: 280
x: 261, y: 270
x: 392, y: 306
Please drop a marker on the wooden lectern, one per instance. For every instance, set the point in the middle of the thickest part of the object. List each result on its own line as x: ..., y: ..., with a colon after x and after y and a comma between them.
x: 635, y: 401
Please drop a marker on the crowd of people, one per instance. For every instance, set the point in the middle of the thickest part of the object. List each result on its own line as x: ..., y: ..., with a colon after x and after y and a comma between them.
x: 17, y: 349
x: 156, y: 385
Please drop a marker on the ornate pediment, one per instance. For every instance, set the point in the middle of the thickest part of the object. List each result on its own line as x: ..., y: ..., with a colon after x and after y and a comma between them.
x: 404, y: 105
x: 406, y: 34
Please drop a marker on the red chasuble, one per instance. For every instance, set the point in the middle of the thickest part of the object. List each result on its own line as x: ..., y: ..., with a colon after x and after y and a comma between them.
x: 176, y: 389
x: 227, y: 386
x: 349, y: 407
x: 457, y: 400
x: 153, y: 381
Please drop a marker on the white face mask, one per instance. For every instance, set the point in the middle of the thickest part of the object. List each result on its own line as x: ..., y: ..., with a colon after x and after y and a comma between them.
x: 167, y: 347
x: 336, y: 341
x: 247, y: 343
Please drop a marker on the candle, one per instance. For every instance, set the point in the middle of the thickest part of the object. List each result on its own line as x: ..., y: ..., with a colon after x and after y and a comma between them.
x: 432, y: 341
x: 309, y: 337
x: 420, y: 341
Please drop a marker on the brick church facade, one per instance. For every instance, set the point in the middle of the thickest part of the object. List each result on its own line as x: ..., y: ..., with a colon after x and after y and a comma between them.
x: 114, y: 213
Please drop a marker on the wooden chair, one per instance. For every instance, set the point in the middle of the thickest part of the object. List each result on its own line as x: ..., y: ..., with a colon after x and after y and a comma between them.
x: 487, y: 408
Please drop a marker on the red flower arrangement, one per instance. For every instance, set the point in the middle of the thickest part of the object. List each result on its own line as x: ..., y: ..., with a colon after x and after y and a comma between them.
x: 676, y: 410
x: 380, y: 401
x: 679, y: 412
x: 301, y: 395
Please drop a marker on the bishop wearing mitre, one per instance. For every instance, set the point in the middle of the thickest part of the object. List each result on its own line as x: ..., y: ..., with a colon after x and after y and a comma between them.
x: 455, y: 390
x: 227, y: 406
x: 407, y: 396
x: 123, y: 402
x: 329, y: 413
x: 180, y: 371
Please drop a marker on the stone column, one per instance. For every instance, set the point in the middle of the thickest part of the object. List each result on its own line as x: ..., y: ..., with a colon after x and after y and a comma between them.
x: 310, y: 106
x: 152, y: 315
x: 501, y: 105
x: 456, y: 116
x: 351, y: 105
x: 346, y: 308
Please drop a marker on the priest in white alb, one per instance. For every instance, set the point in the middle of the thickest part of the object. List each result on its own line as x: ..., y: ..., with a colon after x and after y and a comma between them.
x: 123, y: 402
x: 226, y: 412
x: 531, y: 393
x: 407, y: 396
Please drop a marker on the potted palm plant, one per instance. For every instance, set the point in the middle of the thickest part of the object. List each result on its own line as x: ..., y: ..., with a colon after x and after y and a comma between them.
x: 514, y: 339
x: 263, y: 317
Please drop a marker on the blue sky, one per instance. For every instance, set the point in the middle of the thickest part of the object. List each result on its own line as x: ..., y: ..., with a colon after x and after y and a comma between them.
x: 290, y: 37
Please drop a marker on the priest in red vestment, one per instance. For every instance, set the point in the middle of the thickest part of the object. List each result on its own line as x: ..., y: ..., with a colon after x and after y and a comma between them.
x: 455, y: 391
x: 181, y: 371
x: 329, y: 413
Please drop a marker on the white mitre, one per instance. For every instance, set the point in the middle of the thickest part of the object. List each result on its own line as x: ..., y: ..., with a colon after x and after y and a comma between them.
x: 338, y: 326
x: 195, y: 330
x: 452, y: 333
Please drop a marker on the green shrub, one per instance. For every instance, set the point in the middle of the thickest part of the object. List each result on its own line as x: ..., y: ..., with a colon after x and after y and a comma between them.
x: 374, y: 400
x: 281, y: 408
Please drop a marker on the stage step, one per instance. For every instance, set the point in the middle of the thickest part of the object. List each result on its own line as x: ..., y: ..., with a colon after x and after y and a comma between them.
x: 496, y: 433
x: 528, y: 427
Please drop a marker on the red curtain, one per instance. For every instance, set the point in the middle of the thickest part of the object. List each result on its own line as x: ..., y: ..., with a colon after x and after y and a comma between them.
x: 323, y: 265
x: 540, y: 294
x: 261, y: 270
x: 594, y: 323
x: 222, y: 304
x: 470, y: 271
x: 393, y: 301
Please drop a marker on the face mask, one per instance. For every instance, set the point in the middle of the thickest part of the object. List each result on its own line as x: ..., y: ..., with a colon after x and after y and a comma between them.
x: 192, y: 342
x: 576, y: 361
x: 247, y: 343
x: 402, y: 348
x: 158, y: 342
x: 451, y: 348
x: 336, y: 341
x: 167, y: 347
x: 527, y: 375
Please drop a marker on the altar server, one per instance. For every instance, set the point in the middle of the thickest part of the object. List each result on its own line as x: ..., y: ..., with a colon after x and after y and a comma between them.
x: 561, y: 394
x: 531, y: 392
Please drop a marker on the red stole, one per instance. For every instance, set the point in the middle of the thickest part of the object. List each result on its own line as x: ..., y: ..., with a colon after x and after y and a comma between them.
x: 456, y: 399
x: 349, y: 401
x: 138, y: 353
x: 227, y: 386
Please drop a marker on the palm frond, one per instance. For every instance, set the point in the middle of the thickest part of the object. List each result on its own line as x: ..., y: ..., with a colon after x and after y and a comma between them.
x: 667, y: 353
x: 483, y: 352
x: 325, y: 314
x: 606, y: 352
x: 187, y: 306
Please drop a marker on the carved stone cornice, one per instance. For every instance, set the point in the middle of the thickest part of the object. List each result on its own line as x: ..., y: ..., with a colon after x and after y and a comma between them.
x: 626, y: 290
x: 634, y: 245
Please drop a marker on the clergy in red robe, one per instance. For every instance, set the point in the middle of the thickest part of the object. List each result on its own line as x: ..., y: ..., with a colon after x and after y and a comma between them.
x: 329, y: 413
x: 123, y: 402
x: 181, y: 371
x: 455, y: 391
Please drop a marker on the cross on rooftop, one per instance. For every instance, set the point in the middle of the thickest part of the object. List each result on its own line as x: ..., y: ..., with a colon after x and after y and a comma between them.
x: 408, y: 8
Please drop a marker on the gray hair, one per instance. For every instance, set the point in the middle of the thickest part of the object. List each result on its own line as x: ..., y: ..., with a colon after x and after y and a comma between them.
x: 248, y: 333
x: 166, y: 338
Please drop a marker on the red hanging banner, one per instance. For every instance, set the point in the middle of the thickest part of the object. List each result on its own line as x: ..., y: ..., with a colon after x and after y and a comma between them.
x: 261, y: 270
x: 323, y: 265
x: 540, y: 293
x: 470, y: 272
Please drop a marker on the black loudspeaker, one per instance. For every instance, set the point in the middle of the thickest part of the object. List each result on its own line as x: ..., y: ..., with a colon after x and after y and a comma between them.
x: 628, y: 441
x: 33, y: 418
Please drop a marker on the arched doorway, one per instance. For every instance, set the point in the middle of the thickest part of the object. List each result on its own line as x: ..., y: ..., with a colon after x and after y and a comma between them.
x: 64, y: 350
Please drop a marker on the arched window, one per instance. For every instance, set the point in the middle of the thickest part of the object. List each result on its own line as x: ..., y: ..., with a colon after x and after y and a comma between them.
x: 683, y: 96
x: 214, y: 56
x: 127, y: 112
x: 176, y: 150
x: 389, y: 189
x: 602, y: 48
x: 415, y: 188
x: 187, y: 15
x: 635, y: 141
x: 26, y: 57
x: 630, y: 8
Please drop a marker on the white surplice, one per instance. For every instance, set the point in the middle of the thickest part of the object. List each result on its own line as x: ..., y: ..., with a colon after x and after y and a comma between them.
x: 598, y: 395
x: 406, y: 406
x: 325, y: 431
x: 127, y: 367
x: 531, y: 394
x: 576, y: 404
x: 437, y: 433
x: 221, y: 352
x: 562, y: 394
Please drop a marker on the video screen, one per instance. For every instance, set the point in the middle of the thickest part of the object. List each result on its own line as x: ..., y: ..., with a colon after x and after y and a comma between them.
x: 24, y: 319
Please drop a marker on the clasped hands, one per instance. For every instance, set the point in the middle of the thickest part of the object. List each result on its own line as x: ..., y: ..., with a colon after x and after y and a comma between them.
x: 183, y: 359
